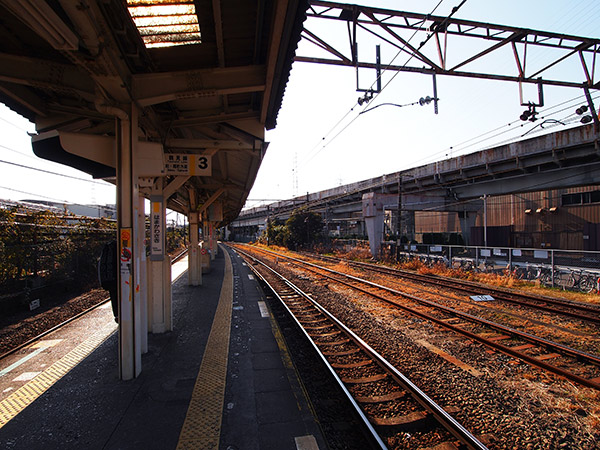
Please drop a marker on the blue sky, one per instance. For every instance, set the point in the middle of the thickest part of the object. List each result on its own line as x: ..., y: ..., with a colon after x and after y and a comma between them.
x: 382, y: 141
x: 389, y: 139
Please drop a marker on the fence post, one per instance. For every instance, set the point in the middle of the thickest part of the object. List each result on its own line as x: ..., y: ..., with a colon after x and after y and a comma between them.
x: 552, y: 266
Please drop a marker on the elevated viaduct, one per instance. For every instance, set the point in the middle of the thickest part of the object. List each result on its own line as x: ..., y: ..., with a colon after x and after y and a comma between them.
x: 563, y: 159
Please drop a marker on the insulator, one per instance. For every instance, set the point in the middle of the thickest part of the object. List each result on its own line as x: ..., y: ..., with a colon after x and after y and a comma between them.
x: 586, y: 119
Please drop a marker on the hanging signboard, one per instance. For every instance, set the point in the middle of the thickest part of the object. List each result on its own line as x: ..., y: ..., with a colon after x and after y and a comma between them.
x: 157, y: 231
x: 186, y: 164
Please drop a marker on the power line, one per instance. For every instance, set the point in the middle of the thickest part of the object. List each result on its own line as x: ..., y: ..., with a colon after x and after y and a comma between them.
x: 55, y: 199
x: 14, y: 125
x: 57, y: 174
x: 461, y: 146
x: 311, y: 157
x: 18, y: 152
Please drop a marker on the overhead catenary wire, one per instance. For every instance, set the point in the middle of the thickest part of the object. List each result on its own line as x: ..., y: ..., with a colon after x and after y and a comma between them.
x: 319, y: 147
x: 57, y: 174
x: 483, y: 137
x: 522, y: 129
x: 14, y: 125
x: 502, y: 132
x: 65, y: 202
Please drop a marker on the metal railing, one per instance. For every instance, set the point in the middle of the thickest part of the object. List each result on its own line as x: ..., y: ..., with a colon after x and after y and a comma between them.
x: 568, y: 269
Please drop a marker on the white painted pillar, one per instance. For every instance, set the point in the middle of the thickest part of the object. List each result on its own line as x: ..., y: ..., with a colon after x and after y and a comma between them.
x: 212, y: 233
x: 142, y: 274
x: 160, y: 272
x: 167, y: 294
x: 130, y: 355
x: 194, y: 265
x: 206, y: 245
x: 150, y: 296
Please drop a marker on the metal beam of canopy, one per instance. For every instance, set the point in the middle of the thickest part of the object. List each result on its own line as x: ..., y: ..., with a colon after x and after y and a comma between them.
x: 142, y: 107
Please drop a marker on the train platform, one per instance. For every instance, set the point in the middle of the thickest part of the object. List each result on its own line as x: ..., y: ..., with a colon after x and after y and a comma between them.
x: 220, y: 380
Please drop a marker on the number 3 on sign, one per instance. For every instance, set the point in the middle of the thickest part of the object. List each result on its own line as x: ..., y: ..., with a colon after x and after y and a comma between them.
x: 201, y: 166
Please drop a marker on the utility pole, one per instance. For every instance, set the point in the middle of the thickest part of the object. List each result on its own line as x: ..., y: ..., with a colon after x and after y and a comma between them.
x: 485, y: 220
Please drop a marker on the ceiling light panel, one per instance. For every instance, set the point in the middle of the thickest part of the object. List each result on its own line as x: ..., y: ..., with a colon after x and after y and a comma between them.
x: 165, y: 23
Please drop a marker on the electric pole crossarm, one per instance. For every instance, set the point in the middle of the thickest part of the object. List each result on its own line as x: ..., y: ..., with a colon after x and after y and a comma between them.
x: 404, y: 44
x: 322, y: 44
x: 440, y: 24
x: 430, y: 71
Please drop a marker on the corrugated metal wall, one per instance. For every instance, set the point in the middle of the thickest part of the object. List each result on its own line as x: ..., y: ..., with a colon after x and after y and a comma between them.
x: 535, y: 219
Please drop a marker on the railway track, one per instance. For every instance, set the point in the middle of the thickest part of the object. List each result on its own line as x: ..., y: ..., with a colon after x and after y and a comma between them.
x: 387, y: 401
x: 50, y: 330
x: 572, y: 364
x: 578, y: 310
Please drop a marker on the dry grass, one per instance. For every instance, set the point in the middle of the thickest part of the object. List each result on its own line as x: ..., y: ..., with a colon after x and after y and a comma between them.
x: 500, y: 280
x: 560, y: 399
x: 492, y: 279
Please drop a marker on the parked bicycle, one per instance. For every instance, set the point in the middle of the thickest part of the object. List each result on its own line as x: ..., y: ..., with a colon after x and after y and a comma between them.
x: 580, y: 280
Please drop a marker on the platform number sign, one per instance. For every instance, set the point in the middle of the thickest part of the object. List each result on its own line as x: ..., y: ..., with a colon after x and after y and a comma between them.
x: 187, y: 164
x: 157, y: 232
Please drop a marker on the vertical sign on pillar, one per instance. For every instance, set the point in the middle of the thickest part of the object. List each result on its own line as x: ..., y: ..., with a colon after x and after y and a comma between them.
x: 157, y: 229
x: 125, y: 268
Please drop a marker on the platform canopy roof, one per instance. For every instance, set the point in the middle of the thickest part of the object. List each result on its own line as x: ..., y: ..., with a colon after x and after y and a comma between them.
x: 208, y: 77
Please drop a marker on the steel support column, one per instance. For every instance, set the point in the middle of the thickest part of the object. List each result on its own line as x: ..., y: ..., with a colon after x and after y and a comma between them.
x: 160, y: 279
x: 142, y: 281
x: 212, y: 240
x: 194, y: 264
x: 130, y: 355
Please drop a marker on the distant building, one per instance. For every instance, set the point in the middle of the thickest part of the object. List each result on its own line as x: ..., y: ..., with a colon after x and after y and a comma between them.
x: 107, y: 211
x: 559, y: 218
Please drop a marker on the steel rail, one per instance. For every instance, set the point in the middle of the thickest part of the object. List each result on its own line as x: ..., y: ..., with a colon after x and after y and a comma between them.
x: 71, y: 319
x: 442, y: 416
x: 374, y: 436
x: 499, y: 294
x: 54, y: 328
x: 565, y: 350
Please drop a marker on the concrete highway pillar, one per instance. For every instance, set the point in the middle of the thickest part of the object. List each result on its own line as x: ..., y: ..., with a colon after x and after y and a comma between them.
x: 194, y: 264
x: 467, y: 221
x: 373, y: 215
x: 408, y: 225
x: 130, y: 354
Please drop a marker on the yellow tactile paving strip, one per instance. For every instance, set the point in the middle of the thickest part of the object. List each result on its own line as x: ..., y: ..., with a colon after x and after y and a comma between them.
x: 202, y: 426
x: 28, y: 393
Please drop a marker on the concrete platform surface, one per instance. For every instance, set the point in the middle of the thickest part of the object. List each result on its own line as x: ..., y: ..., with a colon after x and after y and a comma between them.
x: 220, y: 380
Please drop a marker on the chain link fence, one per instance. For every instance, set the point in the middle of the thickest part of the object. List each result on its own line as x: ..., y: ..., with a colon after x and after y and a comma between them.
x: 568, y: 269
